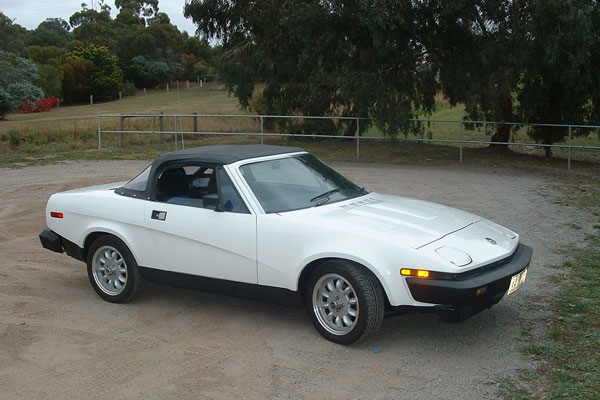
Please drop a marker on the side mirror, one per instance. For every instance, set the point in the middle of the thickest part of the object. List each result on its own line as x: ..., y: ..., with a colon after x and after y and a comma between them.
x: 212, y: 200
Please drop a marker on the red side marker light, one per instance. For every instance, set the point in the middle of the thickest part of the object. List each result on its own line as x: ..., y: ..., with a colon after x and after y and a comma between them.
x: 55, y: 214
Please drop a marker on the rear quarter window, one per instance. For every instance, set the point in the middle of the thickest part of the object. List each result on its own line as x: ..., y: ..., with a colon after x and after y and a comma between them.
x: 140, y: 182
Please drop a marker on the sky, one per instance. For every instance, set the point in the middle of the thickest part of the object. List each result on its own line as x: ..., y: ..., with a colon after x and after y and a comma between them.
x: 29, y: 13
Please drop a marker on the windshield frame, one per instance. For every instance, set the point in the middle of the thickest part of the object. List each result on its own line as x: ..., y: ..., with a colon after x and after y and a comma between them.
x: 351, y: 191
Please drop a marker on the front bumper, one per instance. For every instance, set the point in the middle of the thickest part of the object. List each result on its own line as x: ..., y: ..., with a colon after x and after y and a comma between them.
x: 456, y: 296
x: 54, y: 242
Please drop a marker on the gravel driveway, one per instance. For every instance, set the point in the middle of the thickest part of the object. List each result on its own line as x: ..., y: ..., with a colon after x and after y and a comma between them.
x: 58, y: 339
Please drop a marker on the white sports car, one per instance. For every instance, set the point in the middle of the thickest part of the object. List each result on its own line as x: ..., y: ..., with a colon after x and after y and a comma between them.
x: 275, y: 223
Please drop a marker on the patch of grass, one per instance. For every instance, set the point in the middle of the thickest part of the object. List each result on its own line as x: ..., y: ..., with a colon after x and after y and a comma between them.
x: 581, y: 192
x: 567, y: 357
x: 14, y: 139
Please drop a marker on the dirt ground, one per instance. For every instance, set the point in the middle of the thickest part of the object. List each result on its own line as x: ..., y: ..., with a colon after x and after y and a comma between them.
x: 58, y: 339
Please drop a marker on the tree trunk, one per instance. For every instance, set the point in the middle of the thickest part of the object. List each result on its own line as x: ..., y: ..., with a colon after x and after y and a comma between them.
x: 502, y: 135
x: 351, y: 129
x: 547, y: 149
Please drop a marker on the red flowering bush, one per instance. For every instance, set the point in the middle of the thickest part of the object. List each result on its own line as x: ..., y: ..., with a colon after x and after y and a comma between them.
x: 45, y: 104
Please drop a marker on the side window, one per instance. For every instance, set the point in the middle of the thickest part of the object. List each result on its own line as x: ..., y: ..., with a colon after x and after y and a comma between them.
x: 196, y: 186
x: 188, y: 185
x: 230, y: 198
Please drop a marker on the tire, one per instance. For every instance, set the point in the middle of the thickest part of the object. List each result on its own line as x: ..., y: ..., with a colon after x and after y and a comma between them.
x: 113, y: 271
x: 345, y: 301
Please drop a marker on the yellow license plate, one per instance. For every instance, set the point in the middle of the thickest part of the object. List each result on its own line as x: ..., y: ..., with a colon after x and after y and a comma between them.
x: 516, y: 281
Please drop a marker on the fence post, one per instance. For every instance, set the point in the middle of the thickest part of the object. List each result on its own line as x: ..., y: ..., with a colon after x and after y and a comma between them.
x: 144, y: 91
x: 91, y: 99
x: 99, y: 133
x: 569, y: 156
x: 262, y: 129
x: 461, y: 141
x: 357, y: 139
x: 120, y: 95
x: 188, y: 84
x: 121, y: 129
x: 161, y: 122
x: 153, y: 128
x: 175, y: 132
x: 195, y: 122
x: 167, y: 88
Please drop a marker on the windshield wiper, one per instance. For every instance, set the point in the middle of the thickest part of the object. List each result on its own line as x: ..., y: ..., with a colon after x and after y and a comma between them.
x: 324, y: 197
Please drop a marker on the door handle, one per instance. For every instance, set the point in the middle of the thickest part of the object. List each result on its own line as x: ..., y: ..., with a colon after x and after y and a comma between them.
x: 159, y: 215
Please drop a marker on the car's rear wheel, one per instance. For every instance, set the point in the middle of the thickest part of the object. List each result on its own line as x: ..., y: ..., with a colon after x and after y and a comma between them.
x: 112, y: 270
x: 345, y: 301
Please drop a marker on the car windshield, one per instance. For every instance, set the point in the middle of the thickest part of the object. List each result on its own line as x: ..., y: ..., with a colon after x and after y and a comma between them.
x: 294, y: 183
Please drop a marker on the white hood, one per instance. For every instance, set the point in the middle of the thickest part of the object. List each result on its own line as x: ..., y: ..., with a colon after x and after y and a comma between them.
x: 408, y: 222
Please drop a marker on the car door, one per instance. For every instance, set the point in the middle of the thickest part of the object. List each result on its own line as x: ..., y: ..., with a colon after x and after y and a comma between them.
x: 201, y: 226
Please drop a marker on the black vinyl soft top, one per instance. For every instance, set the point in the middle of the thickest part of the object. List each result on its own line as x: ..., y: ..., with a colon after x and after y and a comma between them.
x: 225, y: 154
x: 219, y: 154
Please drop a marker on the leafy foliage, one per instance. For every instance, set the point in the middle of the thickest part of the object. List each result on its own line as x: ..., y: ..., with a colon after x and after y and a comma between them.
x: 11, y: 35
x: 76, y: 72
x: 558, y: 90
x: 477, y: 47
x: 138, y: 30
x: 532, y: 60
x: 42, y: 105
x: 49, y: 80
x: 140, y: 8
x: 323, y: 58
x: 45, y: 55
x: 516, y: 61
x: 150, y: 73
x: 91, y: 26
x: 51, y: 32
x: 16, y: 82
x: 91, y: 70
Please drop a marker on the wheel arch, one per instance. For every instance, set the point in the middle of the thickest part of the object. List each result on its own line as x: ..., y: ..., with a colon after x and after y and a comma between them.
x: 314, y: 264
x: 95, y: 234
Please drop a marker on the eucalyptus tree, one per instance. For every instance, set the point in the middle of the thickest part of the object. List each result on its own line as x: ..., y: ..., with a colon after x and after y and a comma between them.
x: 478, y: 48
x: 351, y: 58
x: 517, y: 60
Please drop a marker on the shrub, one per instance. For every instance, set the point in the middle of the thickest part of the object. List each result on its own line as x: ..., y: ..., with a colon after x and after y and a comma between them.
x: 128, y: 88
x: 16, y: 77
x: 90, y: 70
x: 41, y: 105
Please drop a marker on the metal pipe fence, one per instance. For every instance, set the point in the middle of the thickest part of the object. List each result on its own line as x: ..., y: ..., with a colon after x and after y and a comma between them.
x: 176, y: 128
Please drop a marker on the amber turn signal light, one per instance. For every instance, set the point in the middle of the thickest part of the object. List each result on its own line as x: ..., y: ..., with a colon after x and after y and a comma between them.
x: 420, y: 273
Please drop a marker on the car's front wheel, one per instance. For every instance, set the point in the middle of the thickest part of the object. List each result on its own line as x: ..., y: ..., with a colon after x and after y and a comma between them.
x: 345, y: 301
x: 112, y: 270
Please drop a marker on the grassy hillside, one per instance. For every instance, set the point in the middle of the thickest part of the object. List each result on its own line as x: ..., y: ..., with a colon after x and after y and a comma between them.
x: 209, y: 99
